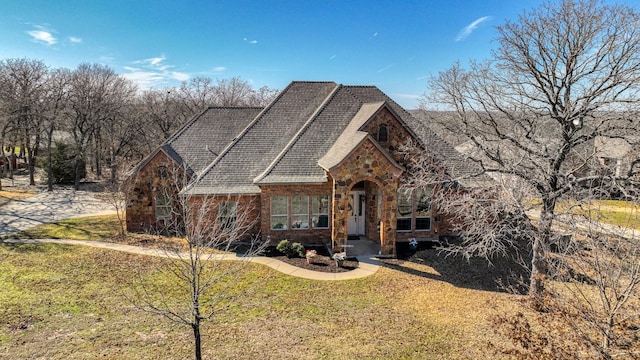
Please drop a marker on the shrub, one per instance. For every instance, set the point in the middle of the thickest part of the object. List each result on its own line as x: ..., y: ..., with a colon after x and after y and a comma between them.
x: 63, y: 162
x: 298, y: 249
x: 289, y: 249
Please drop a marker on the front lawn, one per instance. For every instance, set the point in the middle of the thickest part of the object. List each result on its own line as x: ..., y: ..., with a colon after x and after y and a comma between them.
x: 66, y: 302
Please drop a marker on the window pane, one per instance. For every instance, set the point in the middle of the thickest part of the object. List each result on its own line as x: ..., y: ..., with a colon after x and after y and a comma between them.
x: 382, y: 133
x: 423, y: 202
x: 279, y: 205
x: 300, y: 221
x: 403, y: 224
x: 279, y: 212
x: 300, y: 205
x: 405, y: 208
x: 300, y: 212
x: 320, y: 211
x: 423, y: 209
x: 423, y: 223
x: 227, y: 214
x: 163, y: 207
x: 279, y: 222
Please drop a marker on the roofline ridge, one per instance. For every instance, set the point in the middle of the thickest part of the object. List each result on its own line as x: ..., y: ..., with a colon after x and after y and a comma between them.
x: 235, y: 140
x: 299, y: 133
x: 184, y: 127
x: 234, y: 107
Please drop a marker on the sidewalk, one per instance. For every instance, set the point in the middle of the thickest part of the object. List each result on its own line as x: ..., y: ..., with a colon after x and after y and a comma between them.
x: 367, y: 264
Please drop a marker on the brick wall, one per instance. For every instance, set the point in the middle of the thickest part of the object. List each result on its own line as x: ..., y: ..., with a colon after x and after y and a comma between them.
x: 305, y: 236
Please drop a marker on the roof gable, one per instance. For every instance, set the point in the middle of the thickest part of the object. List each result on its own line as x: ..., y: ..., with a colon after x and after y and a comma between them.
x: 264, y: 139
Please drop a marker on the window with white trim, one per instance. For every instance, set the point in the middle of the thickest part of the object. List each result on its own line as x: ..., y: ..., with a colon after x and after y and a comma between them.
x: 300, y: 212
x: 423, y: 208
x: 279, y: 212
x: 320, y: 211
x: 227, y: 214
x: 163, y: 207
x: 405, y: 210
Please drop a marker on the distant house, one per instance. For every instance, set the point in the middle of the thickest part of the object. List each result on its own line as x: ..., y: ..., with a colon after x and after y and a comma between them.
x: 318, y: 164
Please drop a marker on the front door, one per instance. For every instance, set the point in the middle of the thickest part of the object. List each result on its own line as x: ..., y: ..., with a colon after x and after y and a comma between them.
x: 356, y: 213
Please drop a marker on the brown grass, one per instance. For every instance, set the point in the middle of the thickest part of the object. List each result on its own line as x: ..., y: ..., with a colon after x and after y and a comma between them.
x: 62, y: 302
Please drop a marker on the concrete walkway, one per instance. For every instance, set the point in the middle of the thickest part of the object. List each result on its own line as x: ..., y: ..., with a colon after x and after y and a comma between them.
x: 47, y: 207
x: 367, y: 264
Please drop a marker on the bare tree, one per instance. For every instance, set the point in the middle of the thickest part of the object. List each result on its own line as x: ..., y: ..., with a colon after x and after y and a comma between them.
x: 23, y: 88
x: 563, y: 76
x: 96, y: 95
x: 55, y: 103
x: 205, y: 282
x: 162, y: 112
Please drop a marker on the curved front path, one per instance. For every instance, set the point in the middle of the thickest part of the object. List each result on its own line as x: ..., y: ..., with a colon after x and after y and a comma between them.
x: 367, y: 265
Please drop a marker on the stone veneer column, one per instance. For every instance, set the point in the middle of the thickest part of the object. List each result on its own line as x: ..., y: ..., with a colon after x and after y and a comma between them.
x: 366, y: 163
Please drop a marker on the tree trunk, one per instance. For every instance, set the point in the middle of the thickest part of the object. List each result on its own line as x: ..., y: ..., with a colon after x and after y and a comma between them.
x: 538, y: 249
x: 76, y: 184
x: 538, y: 273
x: 49, y: 161
x: 31, y: 160
x: 196, y: 337
x: 113, y: 171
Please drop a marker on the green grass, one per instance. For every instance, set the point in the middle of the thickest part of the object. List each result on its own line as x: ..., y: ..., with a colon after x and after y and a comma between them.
x: 618, y: 212
x: 67, y: 302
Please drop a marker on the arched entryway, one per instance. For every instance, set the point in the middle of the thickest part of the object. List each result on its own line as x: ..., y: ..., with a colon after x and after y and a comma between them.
x: 364, y: 218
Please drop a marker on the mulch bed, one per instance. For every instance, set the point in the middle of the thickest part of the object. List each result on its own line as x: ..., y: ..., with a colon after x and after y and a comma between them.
x: 322, y: 261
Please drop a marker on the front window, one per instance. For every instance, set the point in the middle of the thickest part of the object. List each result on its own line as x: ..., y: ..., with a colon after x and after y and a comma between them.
x: 300, y: 212
x: 423, y: 209
x: 405, y: 210
x: 163, y: 207
x: 320, y: 211
x: 279, y: 212
x: 227, y: 214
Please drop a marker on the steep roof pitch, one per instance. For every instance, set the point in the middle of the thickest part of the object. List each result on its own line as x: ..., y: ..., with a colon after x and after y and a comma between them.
x: 199, y: 141
x: 264, y: 139
x: 284, y: 143
x: 352, y: 137
x: 206, y: 135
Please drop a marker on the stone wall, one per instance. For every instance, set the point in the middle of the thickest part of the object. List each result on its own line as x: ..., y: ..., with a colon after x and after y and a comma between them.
x: 366, y: 163
x: 159, y: 175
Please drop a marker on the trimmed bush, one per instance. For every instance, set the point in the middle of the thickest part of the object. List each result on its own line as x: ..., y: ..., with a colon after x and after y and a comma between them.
x: 289, y: 249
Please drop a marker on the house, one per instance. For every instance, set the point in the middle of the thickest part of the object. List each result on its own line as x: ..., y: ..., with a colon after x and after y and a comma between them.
x: 321, y: 163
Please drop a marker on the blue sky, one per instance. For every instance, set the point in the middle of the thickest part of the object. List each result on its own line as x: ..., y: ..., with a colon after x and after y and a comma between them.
x: 395, y: 45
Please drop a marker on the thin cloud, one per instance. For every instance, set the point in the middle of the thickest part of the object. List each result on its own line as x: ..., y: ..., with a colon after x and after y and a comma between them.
x: 219, y: 69
x: 180, y: 76
x: 252, y: 42
x: 42, y: 35
x: 75, y: 39
x: 152, y: 72
x: 332, y: 57
x: 467, y: 30
x: 385, y: 68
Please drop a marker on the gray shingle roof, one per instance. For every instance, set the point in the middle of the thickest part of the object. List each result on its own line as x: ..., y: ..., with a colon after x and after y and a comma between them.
x: 206, y: 135
x: 284, y: 142
x: 264, y: 139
